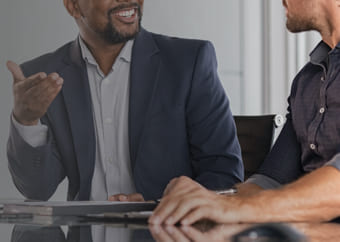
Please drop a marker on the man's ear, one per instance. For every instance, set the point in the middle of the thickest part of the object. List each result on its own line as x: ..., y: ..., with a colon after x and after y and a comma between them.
x: 72, y: 8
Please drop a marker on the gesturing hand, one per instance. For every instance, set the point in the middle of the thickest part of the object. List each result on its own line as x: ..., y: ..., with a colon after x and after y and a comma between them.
x: 33, y: 95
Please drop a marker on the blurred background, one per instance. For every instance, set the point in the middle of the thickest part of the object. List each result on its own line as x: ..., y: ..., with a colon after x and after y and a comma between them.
x: 257, y: 57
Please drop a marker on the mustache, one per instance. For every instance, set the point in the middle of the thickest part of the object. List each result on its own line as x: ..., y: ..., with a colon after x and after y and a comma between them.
x: 123, y: 6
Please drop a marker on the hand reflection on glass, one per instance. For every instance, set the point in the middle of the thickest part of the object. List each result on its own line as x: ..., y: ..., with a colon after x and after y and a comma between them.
x: 194, y: 233
x: 319, y: 231
x: 315, y: 232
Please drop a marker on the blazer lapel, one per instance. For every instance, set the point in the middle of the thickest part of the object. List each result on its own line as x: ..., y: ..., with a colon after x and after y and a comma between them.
x: 77, y: 97
x: 143, y: 81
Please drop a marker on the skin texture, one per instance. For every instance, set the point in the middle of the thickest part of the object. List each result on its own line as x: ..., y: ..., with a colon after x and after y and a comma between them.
x: 95, y: 18
x: 314, y: 197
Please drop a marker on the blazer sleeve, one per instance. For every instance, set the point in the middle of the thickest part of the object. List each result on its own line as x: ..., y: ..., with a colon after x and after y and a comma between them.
x: 36, y: 172
x: 214, y: 147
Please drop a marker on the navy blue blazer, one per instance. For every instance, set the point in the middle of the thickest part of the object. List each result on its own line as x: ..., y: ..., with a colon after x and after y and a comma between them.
x: 180, y: 122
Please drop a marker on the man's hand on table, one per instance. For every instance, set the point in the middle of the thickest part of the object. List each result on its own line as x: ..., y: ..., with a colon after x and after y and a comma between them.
x: 187, y: 202
x: 135, y: 197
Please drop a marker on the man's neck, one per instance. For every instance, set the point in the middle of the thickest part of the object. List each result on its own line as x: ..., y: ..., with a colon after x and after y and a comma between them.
x: 104, y: 54
x: 330, y: 31
x: 331, y: 39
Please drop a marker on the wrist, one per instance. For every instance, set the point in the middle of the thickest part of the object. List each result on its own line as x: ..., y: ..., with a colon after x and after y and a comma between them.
x: 25, y: 122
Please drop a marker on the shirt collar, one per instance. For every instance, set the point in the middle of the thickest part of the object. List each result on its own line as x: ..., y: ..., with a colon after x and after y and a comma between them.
x: 125, y: 53
x: 320, y: 53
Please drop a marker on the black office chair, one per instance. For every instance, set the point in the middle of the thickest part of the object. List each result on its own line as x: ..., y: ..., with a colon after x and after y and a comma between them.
x: 256, y: 134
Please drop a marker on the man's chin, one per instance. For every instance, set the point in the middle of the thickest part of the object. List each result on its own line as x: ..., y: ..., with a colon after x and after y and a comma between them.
x: 116, y: 36
x: 299, y: 26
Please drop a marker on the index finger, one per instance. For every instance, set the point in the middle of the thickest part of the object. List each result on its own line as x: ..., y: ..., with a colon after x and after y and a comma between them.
x: 16, y: 71
x: 170, y: 186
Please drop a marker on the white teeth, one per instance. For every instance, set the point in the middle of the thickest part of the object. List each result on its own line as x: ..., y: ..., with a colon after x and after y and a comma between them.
x: 126, y: 14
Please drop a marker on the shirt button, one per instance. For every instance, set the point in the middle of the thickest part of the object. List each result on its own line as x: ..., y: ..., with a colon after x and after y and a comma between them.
x: 322, y: 110
x: 322, y: 78
x: 312, y: 146
x: 108, y: 120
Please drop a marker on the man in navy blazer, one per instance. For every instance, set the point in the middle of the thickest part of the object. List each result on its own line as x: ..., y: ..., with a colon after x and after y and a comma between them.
x: 179, y: 120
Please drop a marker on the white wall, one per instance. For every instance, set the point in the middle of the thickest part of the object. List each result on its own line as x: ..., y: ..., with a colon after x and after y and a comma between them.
x: 218, y: 21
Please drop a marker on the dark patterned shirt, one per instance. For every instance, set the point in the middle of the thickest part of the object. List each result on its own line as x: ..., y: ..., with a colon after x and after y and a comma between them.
x: 311, y: 135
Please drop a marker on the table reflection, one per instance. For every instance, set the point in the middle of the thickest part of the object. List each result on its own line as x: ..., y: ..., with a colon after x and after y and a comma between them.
x: 86, y: 233
x: 200, y: 232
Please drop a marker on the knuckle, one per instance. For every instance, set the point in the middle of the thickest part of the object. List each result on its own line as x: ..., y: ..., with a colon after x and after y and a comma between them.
x: 173, y: 181
x: 53, y: 76
x: 42, y: 75
x: 183, y: 178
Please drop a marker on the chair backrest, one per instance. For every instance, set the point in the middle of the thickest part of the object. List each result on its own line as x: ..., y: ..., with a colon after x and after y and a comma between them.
x: 256, y: 134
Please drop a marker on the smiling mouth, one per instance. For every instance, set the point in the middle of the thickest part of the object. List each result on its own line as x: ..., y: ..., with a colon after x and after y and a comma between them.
x: 127, y: 15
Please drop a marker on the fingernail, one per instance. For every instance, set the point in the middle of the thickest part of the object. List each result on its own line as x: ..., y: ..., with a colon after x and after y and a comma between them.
x: 54, y: 76
x: 184, y: 228
x: 155, y: 220
x: 169, y: 221
x: 169, y: 229
x: 59, y: 81
x: 155, y: 229
x: 122, y: 198
x: 185, y: 222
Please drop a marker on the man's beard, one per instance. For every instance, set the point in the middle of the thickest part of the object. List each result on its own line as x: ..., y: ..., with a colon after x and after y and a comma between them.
x: 114, y: 36
x: 299, y: 25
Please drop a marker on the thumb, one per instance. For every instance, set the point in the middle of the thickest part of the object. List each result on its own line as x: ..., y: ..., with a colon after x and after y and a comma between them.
x: 16, y: 71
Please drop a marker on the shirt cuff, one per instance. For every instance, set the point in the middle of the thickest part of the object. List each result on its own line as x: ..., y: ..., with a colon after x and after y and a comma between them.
x: 263, y: 181
x: 35, y: 135
x: 335, y: 162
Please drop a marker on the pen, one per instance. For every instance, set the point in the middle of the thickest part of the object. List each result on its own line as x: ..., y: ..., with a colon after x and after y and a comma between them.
x: 229, y: 191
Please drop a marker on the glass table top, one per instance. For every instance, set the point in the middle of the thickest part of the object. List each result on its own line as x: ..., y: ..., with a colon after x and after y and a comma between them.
x: 29, y: 228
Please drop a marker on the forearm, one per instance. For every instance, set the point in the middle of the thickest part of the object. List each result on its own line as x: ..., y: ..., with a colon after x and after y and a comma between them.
x: 314, y: 197
x: 247, y: 189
